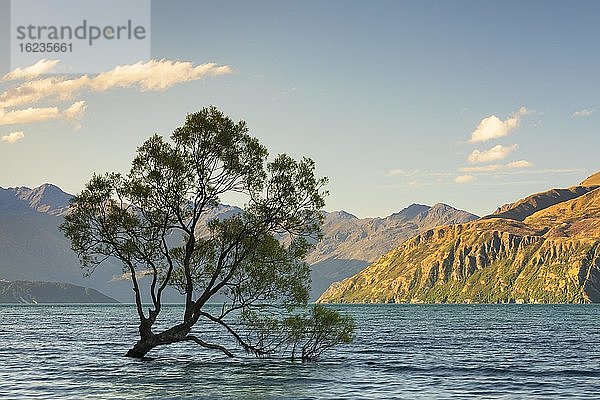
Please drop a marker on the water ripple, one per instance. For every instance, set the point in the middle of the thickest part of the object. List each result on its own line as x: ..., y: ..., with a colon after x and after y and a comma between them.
x: 400, y: 351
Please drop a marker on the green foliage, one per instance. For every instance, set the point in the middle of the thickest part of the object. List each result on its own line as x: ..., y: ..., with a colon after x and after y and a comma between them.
x: 155, y: 221
x: 306, y: 334
x: 322, y: 329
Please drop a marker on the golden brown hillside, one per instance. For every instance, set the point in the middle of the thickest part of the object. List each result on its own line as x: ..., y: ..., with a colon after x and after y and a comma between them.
x: 523, y: 208
x: 593, y: 180
x: 350, y: 244
x: 552, y: 256
x: 578, y: 218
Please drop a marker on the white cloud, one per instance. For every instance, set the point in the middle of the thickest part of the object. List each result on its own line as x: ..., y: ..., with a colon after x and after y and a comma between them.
x: 41, y: 67
x: 416, y: 173
x: 55, y: 88
x: 155, y: 75
x: 12, y: 137
x: 582, y: 113
x: 498, y: 167
x: 497, y: 152
x: 519, y: 164
x: 28, y: 115
x: 152, y: 75
x: 464, y: 178
x: 75, y: 111
x: 493, y: 127
x: 39, y: 114
x: 484, y: 168
x: 149, y: 76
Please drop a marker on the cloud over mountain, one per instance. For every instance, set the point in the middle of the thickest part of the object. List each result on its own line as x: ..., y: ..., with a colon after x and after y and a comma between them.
x: 493, y: 127
x: 497, y: 167
x: 497, y: 152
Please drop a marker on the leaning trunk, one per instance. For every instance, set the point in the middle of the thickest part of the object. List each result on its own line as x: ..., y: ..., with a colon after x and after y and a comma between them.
x: 142, y: 347
x: 149, y: 340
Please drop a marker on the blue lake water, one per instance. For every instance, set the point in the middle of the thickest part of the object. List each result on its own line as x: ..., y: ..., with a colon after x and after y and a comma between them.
x: 400, y: 351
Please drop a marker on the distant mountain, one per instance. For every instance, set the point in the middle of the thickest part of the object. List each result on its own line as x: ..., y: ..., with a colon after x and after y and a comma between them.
x: 49, y: 292
x: 47, y: 199
x: 350, y: 244
x: 537, y: 202
x: 542, y: 249
x: 32, y: 248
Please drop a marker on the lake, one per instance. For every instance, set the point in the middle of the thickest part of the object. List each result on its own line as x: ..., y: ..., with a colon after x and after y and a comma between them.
x: 400, y: 351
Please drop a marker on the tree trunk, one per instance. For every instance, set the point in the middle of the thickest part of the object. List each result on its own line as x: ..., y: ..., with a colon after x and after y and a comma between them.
x: 149, y: 340
x: 142, y: 347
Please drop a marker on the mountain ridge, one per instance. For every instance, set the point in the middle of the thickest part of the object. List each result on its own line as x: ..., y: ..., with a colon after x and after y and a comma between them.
x: 34, y: 292
x: 552, y: 255
x: 46, y: 198
x: 592, y: 180
x: 351, y: 244
x: 529, y: 205
x: 32, y: 248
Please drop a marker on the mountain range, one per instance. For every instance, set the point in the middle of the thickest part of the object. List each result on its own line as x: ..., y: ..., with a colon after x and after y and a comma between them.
x: 49, y: 292
x: 33, y: 249
x: 544, y: 248
x: 350, y: 244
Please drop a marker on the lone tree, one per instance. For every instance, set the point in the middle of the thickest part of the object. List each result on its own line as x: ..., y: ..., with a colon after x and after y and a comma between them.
x: 159, y: 222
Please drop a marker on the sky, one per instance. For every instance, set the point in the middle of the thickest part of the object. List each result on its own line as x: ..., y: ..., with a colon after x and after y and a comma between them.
x: 470, y: 103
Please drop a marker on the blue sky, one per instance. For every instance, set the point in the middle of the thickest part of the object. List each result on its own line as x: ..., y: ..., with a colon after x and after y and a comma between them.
x: 385, y: 96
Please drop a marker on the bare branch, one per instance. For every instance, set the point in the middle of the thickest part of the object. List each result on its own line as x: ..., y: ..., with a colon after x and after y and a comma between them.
x: 209, y: 345
x: 246, y: 346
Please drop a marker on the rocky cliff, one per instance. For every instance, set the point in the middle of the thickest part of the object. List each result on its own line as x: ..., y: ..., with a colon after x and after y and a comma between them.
x: 552, y: 255
x: 350, y: 244
x: 32, y: 248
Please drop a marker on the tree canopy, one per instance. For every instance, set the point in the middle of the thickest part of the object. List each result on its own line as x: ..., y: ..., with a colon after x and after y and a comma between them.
x: 161, y: 222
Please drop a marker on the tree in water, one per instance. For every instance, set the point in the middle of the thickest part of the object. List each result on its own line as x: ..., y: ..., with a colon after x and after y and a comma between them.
x: 156, y: 221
